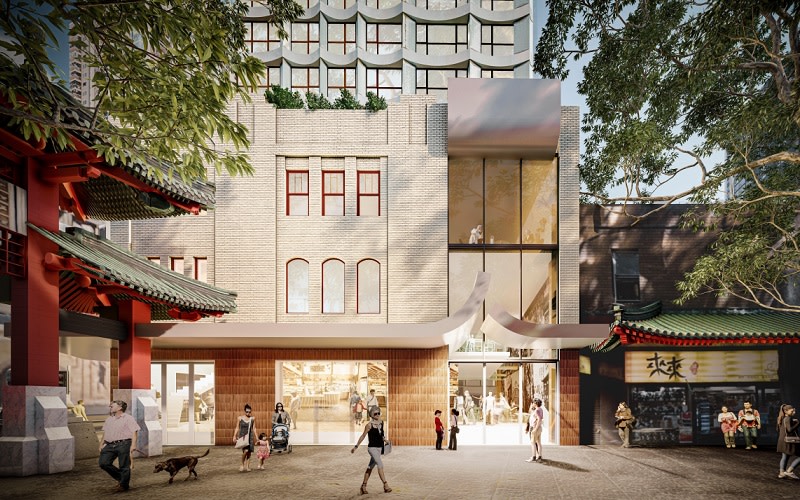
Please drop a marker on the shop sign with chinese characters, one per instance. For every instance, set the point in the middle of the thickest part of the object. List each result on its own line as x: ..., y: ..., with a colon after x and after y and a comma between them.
x: 658, y: 366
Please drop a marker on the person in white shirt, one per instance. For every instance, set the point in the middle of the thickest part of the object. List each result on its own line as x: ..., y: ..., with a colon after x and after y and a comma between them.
x: 120, y: 433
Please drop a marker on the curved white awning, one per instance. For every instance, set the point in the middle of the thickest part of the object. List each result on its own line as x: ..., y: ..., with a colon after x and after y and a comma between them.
x: 509, y: 331
x: 452, y: 331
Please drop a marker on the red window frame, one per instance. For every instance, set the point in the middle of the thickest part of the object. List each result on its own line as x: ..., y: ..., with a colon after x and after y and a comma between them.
x: 326, y: 195
x: 366, y: 194
x: 290, y: 194
x: 195, y: 272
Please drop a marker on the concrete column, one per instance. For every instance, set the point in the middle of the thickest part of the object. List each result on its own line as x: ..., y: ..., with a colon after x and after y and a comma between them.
x: 36, y: 439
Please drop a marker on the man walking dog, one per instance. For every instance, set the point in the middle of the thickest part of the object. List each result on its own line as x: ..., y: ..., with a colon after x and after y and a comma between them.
x: 119, y: 439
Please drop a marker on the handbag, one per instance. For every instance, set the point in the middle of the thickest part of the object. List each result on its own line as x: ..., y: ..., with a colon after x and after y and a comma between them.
x: 244, y: 441
x: 457, y: 429
x: 387, y: 447
x: 791, y: 439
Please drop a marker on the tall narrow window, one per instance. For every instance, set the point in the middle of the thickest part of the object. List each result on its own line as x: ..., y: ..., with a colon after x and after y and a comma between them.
x: 176, y: 264
x: 332, y: 193
x: 296, y: 193
x: 626, y: 275
x: 297, y: 286
x: 155, y: 260
x: 201, y: 269
x: 369, y: 194
x: 369, y: 287
x: 332, y: 286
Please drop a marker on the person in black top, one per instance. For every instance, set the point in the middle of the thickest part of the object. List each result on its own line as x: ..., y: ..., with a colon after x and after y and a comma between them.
x: 376, y: 440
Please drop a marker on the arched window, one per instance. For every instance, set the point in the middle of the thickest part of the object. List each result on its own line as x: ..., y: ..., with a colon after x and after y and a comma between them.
x: 297, y: 286
x: 369, y: 287
x: 332, y: 286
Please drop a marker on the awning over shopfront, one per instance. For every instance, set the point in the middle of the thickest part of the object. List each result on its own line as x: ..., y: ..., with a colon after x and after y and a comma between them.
x: 702, y: 328
x: 509, y: 331
x: 94, y: 272
x: 452, y: 331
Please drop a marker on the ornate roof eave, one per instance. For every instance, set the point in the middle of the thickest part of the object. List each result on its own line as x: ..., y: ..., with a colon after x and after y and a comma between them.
x: 94, y: 272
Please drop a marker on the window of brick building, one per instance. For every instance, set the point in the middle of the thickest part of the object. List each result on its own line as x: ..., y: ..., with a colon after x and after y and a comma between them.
x: 201, y: 269
x: 332, y: 286
x: 332, y: 193
x: 369, y: 194
x: 297, y: 286
x: 176, y: 264
x: 155, y: 260
x: 369, y: 287
x: 297, y: 193
x: 626, y: 275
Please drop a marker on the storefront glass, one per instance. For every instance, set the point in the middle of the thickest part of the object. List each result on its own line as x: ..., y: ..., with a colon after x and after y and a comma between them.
x: 328, y: 400
x: 493, y: 400
x: 185, y: 398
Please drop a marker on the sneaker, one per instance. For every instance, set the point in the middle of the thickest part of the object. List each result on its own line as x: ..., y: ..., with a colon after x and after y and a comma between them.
x: 791, y: 475
x: 538, y: 459
x: 747, y: 448
x: 754, y: 447
x: 529, y: 460
x: 781, y: 475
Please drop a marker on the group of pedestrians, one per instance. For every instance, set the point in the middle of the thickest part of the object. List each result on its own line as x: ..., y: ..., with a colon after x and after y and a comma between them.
x: 246, y: 428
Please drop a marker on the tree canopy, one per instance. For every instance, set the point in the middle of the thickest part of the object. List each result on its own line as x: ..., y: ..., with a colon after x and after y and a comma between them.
x: 669, y: 82
x: 165, y: 72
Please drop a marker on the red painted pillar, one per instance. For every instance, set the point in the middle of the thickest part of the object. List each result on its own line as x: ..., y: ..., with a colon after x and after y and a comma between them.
x: 34, y: 299
x: 134, y: 353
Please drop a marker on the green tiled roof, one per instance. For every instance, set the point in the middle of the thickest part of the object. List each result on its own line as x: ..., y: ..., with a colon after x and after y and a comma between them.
x: 698, y: 328
x: 110, y: 264
x: 109, y: 199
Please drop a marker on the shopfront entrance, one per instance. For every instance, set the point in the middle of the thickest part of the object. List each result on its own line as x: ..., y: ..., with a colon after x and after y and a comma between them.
x: 493, y: 400
x: 328, y: 401
x: 185, y: 398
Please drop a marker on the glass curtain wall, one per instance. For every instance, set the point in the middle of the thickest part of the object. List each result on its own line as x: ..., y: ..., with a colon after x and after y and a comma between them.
x: 328, y: 401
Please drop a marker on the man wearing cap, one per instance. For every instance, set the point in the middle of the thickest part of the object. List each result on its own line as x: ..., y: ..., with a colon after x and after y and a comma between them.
x: 118, y: 441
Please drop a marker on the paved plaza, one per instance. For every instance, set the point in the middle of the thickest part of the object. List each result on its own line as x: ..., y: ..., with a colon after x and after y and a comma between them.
x: 494, y: 472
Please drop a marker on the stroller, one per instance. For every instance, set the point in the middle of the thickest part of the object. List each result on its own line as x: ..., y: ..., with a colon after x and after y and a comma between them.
x: 280, y: 439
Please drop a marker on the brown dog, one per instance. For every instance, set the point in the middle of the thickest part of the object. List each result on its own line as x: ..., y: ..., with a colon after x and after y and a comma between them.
x: 173, y: 465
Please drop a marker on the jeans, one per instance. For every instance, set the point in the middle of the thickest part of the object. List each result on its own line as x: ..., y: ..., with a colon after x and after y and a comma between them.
x: 785, y: 458
x: 439, y: 438
x: 750, y: 434
x: 122, y: 452
x: 453, y: 444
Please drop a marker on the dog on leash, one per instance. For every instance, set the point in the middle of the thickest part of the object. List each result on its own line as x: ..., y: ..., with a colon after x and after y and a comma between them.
x: 173, y: 465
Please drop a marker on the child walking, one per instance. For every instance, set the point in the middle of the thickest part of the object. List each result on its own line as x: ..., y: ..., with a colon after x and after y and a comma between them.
x: 263, y: 449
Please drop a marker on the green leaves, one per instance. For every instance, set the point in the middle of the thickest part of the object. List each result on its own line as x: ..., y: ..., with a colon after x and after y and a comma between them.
x: 164, y: 74
x: 668, y: 83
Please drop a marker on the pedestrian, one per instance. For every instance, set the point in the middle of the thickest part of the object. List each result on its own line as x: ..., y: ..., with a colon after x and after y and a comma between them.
x: 453, y: 444
x: 535, y: 420
x: 280, y: 416
x: 488, y: 407
x: 437, y: 422
x: 749, y: 424
x: 246, y: 426
x: 372, y: 402
x: 356, y: 407
x: 263, y: 449
x: 727, y: 424
x: 624, y: 421
x: 119, y: 439
x: 787, y: 441
x: 375, y: 443
x: 294, y: 408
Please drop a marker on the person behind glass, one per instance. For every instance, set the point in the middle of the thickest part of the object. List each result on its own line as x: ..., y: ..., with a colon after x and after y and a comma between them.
x: 460, y: 407
x: 294, y: 408
x: 437, y: 422
x: 535, y: 420
x: 624, y: 417
x: 469, y: 406
x: 280, y: 416
x: 727, y: 424
x: 244, y: 424
x: 120, y: 433
x: 453, y: 444
x: 372, y: 402
x: 787, y: 426
x: 263, y: 449
x: 373, y: 431
x: 749, y: 424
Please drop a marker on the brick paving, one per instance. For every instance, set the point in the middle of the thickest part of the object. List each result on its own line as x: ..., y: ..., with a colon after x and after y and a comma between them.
x: 494, y: 472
